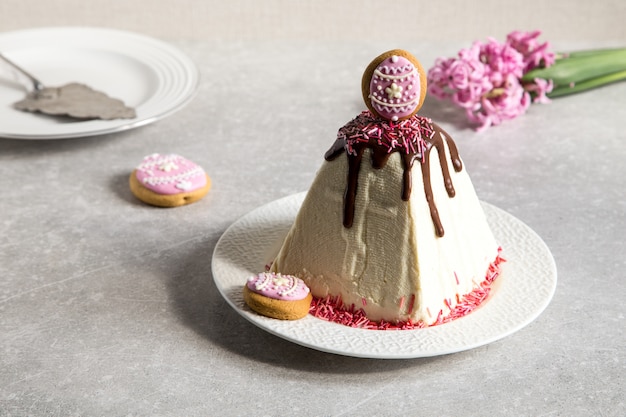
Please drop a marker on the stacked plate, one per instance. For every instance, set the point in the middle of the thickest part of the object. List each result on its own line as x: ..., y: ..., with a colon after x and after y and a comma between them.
x: 152, y: 76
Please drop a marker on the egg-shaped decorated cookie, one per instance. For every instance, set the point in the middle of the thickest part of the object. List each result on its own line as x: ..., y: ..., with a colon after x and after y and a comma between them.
x: 394, y: 85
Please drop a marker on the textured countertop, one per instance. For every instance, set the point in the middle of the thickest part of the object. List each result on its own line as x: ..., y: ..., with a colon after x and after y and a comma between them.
x: 108, y: 307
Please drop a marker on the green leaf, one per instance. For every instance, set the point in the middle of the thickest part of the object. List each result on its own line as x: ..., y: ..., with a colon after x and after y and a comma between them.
x: 581, y: 66
x: 587, y: 85
x: 591, y: 52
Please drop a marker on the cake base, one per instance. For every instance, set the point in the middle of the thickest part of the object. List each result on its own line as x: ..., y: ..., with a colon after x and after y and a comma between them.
x: 392, y: 261
x: 334, y: 310
x: 519, y: 295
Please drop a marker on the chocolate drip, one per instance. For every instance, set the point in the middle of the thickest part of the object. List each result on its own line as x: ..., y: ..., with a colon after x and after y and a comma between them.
x: 349, y: 198
x: 379, y: 157
x: 437, y: 142
x: 337, y: 149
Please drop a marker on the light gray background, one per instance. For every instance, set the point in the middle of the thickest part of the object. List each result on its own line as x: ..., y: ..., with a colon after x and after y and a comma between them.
x: 107, y: 306
x: 415, y: 20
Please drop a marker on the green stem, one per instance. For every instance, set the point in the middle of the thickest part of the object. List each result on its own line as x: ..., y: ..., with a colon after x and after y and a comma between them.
x: 589, y: 52
x: 581, y: 66
x: 588, y: 84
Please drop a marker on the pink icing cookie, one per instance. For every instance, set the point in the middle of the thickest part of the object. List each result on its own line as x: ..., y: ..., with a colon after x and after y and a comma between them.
x: 170, y: 174
x: 395, y: 88
x: 394, y: 85
x: 283, y: 297
x: 278, y: 286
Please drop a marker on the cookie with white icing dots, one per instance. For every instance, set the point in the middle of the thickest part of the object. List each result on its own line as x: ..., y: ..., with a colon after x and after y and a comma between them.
x: 394, y: 85
x: 283, y: 297
x: 168, y: 181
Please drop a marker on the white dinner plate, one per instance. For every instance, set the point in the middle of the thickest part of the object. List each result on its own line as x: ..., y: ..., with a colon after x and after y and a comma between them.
x: 152, y: 76
x: 522, y: 291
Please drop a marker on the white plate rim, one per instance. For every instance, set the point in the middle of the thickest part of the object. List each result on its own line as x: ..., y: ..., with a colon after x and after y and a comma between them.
x: 533, y: 276
x: 179, y: 68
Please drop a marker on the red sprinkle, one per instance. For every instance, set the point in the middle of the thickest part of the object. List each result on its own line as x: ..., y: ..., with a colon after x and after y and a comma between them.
x: 333, y: 308
x: 412, y: 303
x: 407, y: 135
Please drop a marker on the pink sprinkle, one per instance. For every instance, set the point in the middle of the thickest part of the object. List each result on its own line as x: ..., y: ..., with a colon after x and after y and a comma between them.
x: 412, y: 303
x: 363, y: 301
x: 407, y: 135
x: 333, y: 309
x: 457, y: 278
x: 439, y: 317
x: 401, y: 302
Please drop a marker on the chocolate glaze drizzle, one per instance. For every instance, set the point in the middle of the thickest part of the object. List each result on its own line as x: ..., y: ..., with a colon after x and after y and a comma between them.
x: 384, y: 138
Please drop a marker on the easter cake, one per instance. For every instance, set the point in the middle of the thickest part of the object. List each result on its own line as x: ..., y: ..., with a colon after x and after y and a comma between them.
x: 391, y: 230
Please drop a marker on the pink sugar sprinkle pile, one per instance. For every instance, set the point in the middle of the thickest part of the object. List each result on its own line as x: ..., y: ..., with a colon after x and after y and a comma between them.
x: 333, y: 309
x: 407, y: 136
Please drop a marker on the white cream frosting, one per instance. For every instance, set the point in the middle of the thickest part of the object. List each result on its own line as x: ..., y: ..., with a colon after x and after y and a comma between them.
x: 390, y: 262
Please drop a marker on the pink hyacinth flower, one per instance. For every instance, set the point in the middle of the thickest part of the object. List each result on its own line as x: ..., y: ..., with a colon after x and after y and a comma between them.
x: 540, y: 88
x: 535, y: 54
x: 505, y: 103
x: 485, y: 79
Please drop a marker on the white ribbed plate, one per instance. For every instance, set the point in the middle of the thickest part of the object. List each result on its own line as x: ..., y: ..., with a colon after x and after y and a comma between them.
x: 152, y: 76
x: 521, y: 292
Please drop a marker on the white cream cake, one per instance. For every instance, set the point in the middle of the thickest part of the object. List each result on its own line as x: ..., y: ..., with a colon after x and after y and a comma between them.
x: 391, y: 230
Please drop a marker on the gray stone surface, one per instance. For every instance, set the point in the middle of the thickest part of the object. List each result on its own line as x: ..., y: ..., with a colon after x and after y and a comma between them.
x: 107, y: 306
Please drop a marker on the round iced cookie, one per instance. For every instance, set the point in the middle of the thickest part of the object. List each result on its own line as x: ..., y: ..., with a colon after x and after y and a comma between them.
x: 168, y: 181
x: 394, y: 85
x: 283, y: 297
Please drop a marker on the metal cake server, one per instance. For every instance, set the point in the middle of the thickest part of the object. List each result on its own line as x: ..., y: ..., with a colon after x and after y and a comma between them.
x: 75, y: 100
